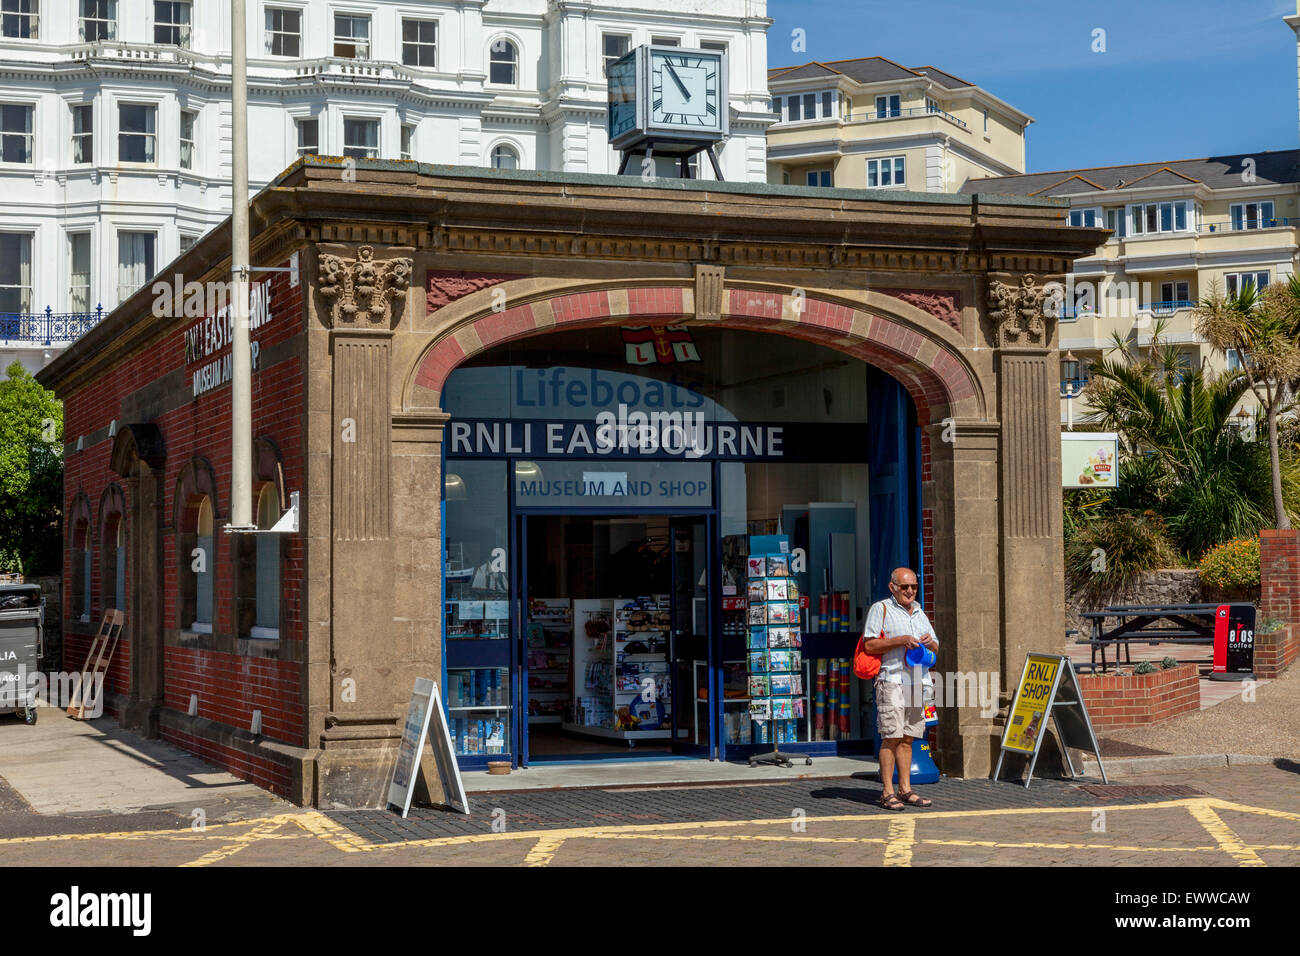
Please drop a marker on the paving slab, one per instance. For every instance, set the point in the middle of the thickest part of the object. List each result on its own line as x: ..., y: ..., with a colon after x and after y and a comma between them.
x: 64, y: 766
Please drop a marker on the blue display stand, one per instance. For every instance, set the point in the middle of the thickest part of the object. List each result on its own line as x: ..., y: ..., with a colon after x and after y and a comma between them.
x: 924, y: 769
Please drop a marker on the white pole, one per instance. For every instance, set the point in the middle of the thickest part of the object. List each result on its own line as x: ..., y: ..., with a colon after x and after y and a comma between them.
x: 241, y: 399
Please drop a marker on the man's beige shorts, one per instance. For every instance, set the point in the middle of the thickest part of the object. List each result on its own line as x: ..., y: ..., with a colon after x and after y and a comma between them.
x: 893, y: 718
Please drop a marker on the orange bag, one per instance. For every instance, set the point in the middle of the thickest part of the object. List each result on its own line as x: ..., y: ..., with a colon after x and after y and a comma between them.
x: 865, y: 665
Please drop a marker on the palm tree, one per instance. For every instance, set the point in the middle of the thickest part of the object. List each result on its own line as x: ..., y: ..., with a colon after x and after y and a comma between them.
x: 1181, y: 452
x: 1264, y: 329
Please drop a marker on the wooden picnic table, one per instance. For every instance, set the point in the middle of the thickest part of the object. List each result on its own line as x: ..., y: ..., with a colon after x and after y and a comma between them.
x: 1150, y: 624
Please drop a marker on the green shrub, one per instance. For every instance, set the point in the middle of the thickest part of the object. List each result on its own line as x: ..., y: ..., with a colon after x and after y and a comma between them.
x: 1146, y: 667
x: 1232, y: 566
x: 1112, y: 552
x: 1167, y: 663
x: 1269, y: 625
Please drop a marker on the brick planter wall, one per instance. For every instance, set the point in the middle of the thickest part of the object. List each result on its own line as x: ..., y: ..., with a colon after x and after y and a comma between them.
x: 1279, y: 572
x: 1276, y: 651
x: 1130, y: 700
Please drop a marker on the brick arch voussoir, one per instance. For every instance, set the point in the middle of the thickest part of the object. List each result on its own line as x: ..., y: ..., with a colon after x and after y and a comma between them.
x: 941, y: 387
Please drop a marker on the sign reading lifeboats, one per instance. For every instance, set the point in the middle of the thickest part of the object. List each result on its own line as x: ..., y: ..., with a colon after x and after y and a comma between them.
x: 212, y: 335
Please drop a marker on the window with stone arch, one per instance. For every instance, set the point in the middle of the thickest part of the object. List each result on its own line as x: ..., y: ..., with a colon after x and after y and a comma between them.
x: 505, y: 156
x: 196, y: 554
x: 80, y: 550
x: 112, y: 549
x: 261, y: 556
x: 503, y: 62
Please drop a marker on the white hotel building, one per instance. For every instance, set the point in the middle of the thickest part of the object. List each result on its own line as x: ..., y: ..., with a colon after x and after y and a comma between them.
x: 115, y: 125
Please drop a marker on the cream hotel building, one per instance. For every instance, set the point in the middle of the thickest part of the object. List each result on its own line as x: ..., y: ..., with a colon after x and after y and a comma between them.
x: 1178, y: 226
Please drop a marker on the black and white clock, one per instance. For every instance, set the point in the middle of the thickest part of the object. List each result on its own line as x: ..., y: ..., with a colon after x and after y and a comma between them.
x: 671, y: 99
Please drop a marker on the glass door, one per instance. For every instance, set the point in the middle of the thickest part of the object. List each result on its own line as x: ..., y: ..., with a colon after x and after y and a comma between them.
x: 692, y: 646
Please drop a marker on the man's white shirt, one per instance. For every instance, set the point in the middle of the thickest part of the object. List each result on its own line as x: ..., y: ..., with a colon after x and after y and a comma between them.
x: 888, y: 615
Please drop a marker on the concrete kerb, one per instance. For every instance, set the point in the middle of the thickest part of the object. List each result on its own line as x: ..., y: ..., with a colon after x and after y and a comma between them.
x: 1132, y: 766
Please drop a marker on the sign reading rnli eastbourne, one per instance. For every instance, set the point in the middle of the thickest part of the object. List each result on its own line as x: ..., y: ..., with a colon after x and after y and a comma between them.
x: 210, y: 336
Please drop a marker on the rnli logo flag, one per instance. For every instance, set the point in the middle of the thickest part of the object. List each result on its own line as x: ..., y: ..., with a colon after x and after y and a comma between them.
x: 662, y: 344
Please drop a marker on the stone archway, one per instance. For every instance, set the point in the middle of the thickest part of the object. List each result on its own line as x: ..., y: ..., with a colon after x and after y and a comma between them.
x: 915, y: 347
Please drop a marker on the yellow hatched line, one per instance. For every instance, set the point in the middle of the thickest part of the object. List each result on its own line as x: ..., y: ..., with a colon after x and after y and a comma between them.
x: 543, y: 851
x: 902, y: 837
x: 242, y: 842
x: 1224, y: 835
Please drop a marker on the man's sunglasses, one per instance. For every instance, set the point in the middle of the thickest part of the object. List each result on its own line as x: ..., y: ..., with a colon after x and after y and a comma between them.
x: 905, y: 587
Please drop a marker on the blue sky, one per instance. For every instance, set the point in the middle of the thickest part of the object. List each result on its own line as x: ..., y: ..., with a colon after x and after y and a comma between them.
x: 1177, y: 79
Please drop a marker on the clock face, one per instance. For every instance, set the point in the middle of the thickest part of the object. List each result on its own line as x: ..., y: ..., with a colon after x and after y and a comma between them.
x: 622, y: 96
x: 684, y: 89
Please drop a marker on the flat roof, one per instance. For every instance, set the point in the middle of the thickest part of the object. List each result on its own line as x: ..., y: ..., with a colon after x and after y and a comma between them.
x: 668, y: 184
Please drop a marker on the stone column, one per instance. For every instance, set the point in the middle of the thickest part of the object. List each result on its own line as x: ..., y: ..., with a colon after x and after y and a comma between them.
x: 1033, y: 575
x: 365, y: 699
x: 967, y: 598
x: 417, y: 556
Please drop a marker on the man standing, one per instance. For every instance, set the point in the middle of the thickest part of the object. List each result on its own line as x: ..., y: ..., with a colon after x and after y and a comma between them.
x: 893, y: 627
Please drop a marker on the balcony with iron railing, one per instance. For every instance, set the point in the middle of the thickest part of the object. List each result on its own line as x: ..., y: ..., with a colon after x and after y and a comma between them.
x: 1168, y: 307
x: 870, y: 116
x: 46, y: 328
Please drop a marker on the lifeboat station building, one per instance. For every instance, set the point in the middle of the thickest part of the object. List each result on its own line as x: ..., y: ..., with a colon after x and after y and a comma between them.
x: 535, y: 425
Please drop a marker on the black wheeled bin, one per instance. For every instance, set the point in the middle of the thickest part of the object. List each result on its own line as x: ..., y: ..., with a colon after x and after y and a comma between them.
x: 22, y: 623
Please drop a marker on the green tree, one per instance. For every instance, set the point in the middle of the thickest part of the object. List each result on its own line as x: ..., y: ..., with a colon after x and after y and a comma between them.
x: 1264, y: 328
x: 31, y: 474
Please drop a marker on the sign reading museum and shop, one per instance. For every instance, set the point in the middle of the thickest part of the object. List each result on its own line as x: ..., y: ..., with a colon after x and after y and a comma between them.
x: 206, y: 339
x: 658, y: 484
x: 659, y: 435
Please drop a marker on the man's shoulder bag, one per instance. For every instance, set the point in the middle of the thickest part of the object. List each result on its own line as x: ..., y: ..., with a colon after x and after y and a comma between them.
x: 867, y: 666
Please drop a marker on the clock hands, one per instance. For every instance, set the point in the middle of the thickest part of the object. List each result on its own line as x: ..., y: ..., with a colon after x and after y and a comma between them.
x: 677, y: 79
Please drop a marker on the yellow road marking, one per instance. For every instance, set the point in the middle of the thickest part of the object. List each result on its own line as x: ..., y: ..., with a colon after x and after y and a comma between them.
x: 899, y: 840
x: 902, y: 837
x: 543, y: 851
x: 323, y: 828
x: 1224, y: 835
x: 243, y: 841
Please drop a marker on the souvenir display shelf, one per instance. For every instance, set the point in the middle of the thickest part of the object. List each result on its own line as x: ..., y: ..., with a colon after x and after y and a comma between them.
x: 550, y: 635
x: 620, y: 653
x: 478, y: 710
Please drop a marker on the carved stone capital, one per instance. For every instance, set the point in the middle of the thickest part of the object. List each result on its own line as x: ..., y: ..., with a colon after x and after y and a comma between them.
x: 360, y: 292
x: 1018, y: 313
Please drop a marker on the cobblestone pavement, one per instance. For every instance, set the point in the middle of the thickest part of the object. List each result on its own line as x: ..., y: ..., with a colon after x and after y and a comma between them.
x: 1234, y: 816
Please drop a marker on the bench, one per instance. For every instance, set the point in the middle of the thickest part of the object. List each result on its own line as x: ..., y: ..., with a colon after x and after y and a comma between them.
x: 1149, y: 624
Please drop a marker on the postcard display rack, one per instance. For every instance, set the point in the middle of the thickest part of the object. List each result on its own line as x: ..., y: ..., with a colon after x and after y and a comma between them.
x: 620, y: 669
x: 776, y: 693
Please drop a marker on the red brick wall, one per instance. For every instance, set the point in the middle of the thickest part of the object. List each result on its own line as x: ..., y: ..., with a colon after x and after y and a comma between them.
x: 1127, y: 700
x: 230, y: 686
x: 1279, y: 569
x: 1277, y: 651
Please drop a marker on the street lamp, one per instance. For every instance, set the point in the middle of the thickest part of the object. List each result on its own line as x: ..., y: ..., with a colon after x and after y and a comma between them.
x: 1243, y: 421
x: 1069, y: 375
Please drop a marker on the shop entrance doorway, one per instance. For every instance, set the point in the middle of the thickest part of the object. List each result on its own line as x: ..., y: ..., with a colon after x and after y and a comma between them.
x: 617, y: 640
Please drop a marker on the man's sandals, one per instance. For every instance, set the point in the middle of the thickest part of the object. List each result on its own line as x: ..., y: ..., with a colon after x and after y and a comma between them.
x: 892, y: 801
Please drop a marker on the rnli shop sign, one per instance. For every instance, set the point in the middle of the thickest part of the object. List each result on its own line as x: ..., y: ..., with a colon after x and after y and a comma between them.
x: 684, y: 436
x: 207, y: 342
